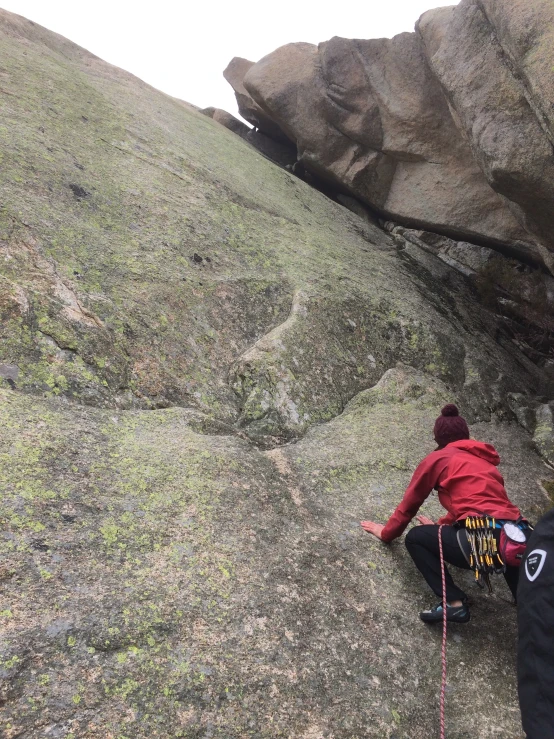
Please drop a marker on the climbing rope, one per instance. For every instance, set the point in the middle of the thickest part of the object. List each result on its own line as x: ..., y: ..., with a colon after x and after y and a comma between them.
x: 443, y: 652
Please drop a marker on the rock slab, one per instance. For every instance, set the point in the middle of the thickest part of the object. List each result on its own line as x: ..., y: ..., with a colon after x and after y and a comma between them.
x: 173, y: 308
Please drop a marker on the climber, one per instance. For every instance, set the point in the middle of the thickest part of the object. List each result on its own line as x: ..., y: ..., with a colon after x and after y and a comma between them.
x: 465, y: 474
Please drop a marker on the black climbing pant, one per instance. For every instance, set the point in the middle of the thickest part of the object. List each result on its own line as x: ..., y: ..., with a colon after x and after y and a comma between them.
x: 535, y: 615
x: 422, y: 542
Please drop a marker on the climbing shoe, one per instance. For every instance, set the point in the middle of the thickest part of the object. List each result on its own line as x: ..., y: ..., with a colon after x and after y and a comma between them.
x: 457, y: 614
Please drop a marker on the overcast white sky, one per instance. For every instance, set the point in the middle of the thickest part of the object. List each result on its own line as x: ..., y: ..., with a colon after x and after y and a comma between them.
x: 183, y: 47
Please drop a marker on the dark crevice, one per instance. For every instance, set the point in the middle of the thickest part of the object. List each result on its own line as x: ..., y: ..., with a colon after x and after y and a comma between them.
x: 331, y: 188
x: 60, y: 345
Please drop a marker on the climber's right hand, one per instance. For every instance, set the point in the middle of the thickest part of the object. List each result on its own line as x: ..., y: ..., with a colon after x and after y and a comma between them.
x: 425, y: 521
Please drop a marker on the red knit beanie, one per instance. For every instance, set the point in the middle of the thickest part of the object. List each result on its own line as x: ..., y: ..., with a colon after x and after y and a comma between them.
x: 450, y: 426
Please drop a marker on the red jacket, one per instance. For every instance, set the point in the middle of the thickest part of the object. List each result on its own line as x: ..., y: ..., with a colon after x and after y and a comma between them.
x: 465, y: 475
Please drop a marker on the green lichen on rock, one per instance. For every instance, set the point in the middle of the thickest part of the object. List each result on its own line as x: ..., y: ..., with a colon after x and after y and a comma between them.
x: 167, y: 295
x: 150, y: 258
x: 163, y: 582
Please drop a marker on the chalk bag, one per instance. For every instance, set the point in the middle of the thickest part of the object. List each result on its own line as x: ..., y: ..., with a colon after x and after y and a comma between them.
x: 513, y: 543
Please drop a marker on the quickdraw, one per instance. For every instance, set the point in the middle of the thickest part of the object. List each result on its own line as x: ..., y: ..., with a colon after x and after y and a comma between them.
x: 484, y: 555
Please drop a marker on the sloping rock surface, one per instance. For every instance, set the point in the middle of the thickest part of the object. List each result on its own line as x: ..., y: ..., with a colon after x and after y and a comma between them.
x: 280, y: 152
x: 161, y: 582
x: 448, y: 128
x: 152, y: 259
x: 227, y: 120
x: 167, y: 295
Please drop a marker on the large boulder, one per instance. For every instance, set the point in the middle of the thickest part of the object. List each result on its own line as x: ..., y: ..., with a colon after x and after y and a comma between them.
x: 234, y: 73
x: 476, y: 50
x: 449, y: 129
x: 371, y: 117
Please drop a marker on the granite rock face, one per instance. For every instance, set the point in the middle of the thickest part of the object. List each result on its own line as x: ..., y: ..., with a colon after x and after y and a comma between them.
x: 476, y: 50
x: 174, y: 307
x: 278, y: 151
x: 447, y: 129
x: 525, y: 31
x: 142, y: 270
x: 161, y: 581
x: 543, y: 438
x: 537, y: 417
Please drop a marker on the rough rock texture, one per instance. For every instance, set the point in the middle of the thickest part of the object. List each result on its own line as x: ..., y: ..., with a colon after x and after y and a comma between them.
x: 522, y: 296
x: 249, y: 110
x: 543, y: 438
x: 371, y: 116
x: 467, y: 258
x: 141, y: 268
x: 514, y: 147
x: 525, y: 31
x: 449, y: 128
x: 162, y: 582
x: 279, y: 151
x: 537, y: 417
x: 167, y: 297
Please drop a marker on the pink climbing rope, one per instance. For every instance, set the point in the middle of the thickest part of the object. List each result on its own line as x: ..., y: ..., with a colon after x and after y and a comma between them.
x: 443, y: 652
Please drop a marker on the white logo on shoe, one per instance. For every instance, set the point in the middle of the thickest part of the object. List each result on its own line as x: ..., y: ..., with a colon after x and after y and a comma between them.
x: 534, y: 563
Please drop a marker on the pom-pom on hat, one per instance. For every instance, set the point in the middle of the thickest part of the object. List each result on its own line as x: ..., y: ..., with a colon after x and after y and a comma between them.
x: 450, y: 426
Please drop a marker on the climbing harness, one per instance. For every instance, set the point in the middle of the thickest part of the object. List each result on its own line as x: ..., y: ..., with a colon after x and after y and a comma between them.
x: 487, y: 556
x: 513, y: 542
x: 443, y: 650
